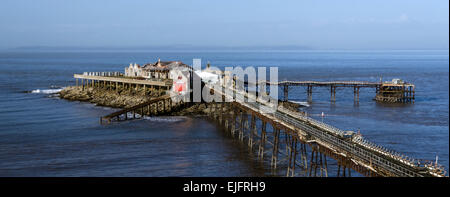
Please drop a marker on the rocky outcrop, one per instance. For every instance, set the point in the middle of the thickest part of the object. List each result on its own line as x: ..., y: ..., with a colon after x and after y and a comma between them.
x: 116, y: 99
x: 195, y: 109
x: 290, y: 105
x: 123, y: 99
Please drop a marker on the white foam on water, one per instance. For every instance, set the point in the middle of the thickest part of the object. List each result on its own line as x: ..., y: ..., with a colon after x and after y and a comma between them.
x: 47, y: 91
x: 165, y: 119
x: 130, y: 115
x: 301, y: 103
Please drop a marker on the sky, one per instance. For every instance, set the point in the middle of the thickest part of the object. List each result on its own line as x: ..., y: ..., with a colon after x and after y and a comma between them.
x: 325, y: 24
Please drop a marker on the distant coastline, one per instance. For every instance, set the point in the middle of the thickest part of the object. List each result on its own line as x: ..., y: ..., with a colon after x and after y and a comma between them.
x: 191, y: 48
x: 161, y: 48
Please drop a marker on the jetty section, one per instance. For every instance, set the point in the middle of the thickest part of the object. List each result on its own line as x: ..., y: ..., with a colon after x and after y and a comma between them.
x: 395, y: 91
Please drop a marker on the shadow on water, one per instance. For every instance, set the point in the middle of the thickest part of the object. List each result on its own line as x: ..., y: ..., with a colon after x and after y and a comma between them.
x: 394, y: 105
x: 257, y: 167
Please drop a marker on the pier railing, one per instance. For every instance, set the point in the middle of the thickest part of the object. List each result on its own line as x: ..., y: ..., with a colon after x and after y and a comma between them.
x: 122, y: 79
x: 405, y: 92
x: 327, y: 83
x: 103, y: 74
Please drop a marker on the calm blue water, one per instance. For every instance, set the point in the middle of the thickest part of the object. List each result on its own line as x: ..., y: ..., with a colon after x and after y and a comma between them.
x: 42, y: 135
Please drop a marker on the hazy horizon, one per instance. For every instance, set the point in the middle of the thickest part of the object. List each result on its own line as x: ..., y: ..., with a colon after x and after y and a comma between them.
x: 328, y: 25
x: 198, y: 48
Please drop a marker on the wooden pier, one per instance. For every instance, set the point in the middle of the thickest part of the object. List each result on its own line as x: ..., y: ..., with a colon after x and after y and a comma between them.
x: 157, y: 106
x: 288, y: 140
x: 385, y: 91
x: 302, y: 145
x: 333, y: 85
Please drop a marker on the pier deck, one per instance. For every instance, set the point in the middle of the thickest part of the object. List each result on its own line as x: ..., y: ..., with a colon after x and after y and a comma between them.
x: 124, y: 80
x: 385, y: 91
x: 327, y: 83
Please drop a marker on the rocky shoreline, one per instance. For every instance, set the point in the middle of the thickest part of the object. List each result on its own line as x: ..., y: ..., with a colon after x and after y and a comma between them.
x: 115, y: 99
x: 124, y: 99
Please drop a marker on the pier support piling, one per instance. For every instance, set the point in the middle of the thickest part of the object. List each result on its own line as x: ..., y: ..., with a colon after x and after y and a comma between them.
x: 276, y: 135
x: 309, y: 92
x: 286, y: 92
x: 262, y: 141
x: 333, y: 93
x: 356, y: 94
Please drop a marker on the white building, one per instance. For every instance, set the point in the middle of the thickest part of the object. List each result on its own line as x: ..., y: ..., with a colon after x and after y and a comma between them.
x: 177, y: 71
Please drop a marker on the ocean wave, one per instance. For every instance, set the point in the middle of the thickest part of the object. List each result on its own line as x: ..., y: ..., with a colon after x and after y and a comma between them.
x: 46, y: 91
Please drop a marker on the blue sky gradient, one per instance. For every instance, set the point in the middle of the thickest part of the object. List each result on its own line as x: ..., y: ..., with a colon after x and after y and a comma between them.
x: 328, y: 24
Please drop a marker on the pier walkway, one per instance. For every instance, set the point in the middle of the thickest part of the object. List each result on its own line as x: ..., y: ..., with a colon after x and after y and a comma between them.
x: 115, y: 81
x: 397, y: 92
x: 349, y: 149
x: 157, y: 106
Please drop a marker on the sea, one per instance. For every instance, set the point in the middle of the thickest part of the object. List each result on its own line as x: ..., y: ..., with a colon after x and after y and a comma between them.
x: 42, y: 135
